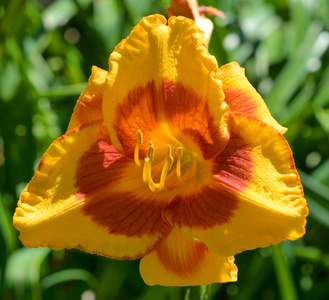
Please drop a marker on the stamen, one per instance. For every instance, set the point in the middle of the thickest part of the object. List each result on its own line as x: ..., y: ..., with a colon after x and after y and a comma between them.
x: 147, y: 170
x: 147, y: 175
x: 139, y: 142
x: 166, y: 168
x: 150, y: 154
x: 190, y: 162
x: 144, y: 170
x: 178, y: 164
x: 147, y: 163
x: 162, y: 169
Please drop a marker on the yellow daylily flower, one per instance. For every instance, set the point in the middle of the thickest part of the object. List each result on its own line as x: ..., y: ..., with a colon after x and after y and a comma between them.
x: 169, y: 158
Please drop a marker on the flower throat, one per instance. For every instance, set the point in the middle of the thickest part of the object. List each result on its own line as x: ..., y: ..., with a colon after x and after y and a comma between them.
x: 185, y: 167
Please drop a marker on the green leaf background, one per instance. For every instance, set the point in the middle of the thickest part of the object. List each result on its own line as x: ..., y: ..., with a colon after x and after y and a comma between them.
x: 47, y: 49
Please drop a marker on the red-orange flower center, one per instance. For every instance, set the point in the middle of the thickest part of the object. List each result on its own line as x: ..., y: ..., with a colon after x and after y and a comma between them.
x: 170, y: 133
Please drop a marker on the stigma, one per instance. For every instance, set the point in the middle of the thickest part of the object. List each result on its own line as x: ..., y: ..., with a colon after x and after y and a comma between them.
x: 177, y: 169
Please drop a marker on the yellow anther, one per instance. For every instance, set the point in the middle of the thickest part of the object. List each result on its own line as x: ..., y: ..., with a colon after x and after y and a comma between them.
x: 170, y: 158
x: 178, y: 164
x: 150, y: 154
x: 139, y: 142
x: 147, y: 162
x: 147, y: 169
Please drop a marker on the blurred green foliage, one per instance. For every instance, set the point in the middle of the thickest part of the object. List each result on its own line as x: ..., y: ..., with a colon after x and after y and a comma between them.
x: 47, y: 49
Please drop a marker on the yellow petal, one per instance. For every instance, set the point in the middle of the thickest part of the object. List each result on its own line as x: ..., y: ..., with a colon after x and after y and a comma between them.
x: 241, y: 96
x: 89, y: 105
x: 179, y: 262
x: 256, y: 198
x: 82, y: 197
x: 162, y: 83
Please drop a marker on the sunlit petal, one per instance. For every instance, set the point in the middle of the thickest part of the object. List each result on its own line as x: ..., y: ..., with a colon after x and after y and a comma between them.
x: 162, y: 83
x: 89, y: 105
x: 256, y: 198
x: 241, y: 96
x: 179, y: 262
x: 75, y: 201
